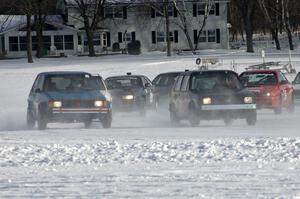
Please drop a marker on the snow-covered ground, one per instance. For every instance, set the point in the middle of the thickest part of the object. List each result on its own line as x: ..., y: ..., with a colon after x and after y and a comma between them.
x: 143, y: 157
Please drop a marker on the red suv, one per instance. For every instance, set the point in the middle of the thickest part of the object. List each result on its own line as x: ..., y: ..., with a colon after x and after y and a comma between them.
x: 271, y: 88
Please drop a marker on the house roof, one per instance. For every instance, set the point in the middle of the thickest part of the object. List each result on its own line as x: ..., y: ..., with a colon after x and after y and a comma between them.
x: 10, y: 23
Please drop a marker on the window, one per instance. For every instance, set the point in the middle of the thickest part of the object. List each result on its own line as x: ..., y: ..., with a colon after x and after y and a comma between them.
x: 171, y: 35
x: 47, y: 42
x: 185, y: 83
x: 211, y: 35
x: 23, y: 43
x: 159, y: 11
x: 178, y: 83
x: 114, y: 12
x: 201, y: 8
x: 13, y: 44
x: 59, y: 42
x: 160, y: 37
x: 128, y: 37
x: 34, y: 43
x: 69, y: 42
x: 203, y: 36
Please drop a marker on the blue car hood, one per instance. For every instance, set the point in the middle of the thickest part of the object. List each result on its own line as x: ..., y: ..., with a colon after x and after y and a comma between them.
x: 77, y: 95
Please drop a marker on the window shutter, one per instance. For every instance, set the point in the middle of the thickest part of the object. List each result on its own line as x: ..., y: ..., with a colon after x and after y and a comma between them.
x: 175, y: 12
x: 217, y: 9
x: 218, y: 36
x: 195, y: 10
x: 120, y: 37
x: 152, y: 13
x: 133, y: 36
x: 124, y: 12
x: 153, y: 37
x: 195, y: 36
x: 176, y: 36
x: 108, y: 39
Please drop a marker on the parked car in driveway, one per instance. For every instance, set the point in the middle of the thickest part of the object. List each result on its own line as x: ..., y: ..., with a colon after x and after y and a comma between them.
x: 296, y: 86
x: 272, y: 89
x: 211, y: 95
x: 163, y: 84
x: 68, y: 97
x: 131, y: 93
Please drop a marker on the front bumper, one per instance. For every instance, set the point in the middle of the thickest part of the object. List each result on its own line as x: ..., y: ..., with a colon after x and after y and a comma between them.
x: 234, y: 111
x: 77, y: 114
x: 127, y: 105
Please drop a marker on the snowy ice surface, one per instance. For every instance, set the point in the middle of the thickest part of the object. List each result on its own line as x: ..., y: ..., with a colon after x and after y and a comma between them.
x: 143, y: 157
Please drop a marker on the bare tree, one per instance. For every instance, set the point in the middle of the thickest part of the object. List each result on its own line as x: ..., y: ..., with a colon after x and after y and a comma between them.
x: 92, y: 13
x: 247, y: 11
x: 185, y: 20
x: 286, y: 21
x: 271, y: 12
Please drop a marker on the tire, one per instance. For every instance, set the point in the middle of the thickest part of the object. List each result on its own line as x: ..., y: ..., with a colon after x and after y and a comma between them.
x: 291, y: 107
x: 251, y: 118
x: 143, y: 111
x: 193, y: 119
x: 174, y: 118
x: 30, y: 121
x: 107, y: 120
x: 228, y: 121
x: 42, y: 121
x: 278, y: 110
x: 87, y: 124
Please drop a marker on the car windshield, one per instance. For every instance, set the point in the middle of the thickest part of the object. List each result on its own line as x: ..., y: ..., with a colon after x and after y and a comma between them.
x: 215, y: 81
x: 258, y: 79
x: 165, y: 79
x: 57, y: 83
x: 297, y: 79
x: 126, y: 82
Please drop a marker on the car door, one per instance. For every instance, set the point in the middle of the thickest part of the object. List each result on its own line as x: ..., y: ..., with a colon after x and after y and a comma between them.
x: 175, y: 96
x: 35, y: 96
x: 184, y: 98
x: 148, y: 90
x: 286, y: 89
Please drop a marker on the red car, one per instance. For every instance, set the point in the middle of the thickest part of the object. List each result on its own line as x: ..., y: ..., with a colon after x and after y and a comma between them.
x: 271, y: 88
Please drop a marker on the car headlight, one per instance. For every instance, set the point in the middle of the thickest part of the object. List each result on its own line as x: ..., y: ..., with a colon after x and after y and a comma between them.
x: 128, y: 97
x: 206, y: 100
x: 248, y: 100
x: 55, y: 104
x: 268, y: 94
x: 99, y: 103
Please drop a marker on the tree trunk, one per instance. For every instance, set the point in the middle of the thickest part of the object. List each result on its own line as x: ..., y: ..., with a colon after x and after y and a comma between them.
x: 167, y: 27
x: 286, y: 22
x: 275, y: 38
x: 90, y: 38
x: 29, y: 40
x: 249, y: 34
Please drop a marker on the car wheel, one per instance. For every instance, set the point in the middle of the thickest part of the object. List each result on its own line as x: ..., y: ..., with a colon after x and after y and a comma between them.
x: 174, y: 118
x: 42, y: 121
x: 87, y: 124
x: 251, y: 118
x: 30, y: 121
x: 143, y: 111
x: 228, y: 121
x: 193, y: 119
x: 291, y: 107
x: 278, y: 110
x: 107, y: 120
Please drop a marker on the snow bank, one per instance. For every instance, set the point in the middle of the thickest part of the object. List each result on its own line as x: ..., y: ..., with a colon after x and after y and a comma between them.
x: 259, y: 150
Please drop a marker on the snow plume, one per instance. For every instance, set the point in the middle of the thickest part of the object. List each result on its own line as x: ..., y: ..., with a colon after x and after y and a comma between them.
x: 261, y: 150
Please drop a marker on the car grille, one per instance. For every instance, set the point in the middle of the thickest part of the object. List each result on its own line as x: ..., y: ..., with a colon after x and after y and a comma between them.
x: 78, y: 104
x: 226, y: 100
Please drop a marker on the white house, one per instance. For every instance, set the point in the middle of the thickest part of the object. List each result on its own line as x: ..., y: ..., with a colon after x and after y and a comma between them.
x: 134, y: 21
x: 56, y: 37
x: 123, y: 23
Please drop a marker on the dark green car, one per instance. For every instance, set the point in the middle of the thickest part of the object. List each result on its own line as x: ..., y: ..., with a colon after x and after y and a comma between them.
x: 211, y: 95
